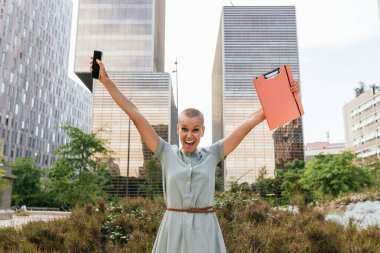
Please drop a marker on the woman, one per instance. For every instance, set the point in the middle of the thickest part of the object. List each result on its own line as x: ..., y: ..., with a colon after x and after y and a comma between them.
x: 189, y: 223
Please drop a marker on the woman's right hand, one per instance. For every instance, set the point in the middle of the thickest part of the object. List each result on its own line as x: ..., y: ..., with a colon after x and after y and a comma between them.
x: 102, y: 71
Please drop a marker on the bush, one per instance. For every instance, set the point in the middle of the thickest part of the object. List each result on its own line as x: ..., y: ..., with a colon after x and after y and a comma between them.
x: 131, y: 225
x: 334, y: 174
x: 246, y: 219
x: 9, y: 239
x: 22, y: 213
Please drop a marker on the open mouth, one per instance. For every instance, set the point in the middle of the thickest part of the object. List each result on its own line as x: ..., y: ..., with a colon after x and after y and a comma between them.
x: 189, y: 144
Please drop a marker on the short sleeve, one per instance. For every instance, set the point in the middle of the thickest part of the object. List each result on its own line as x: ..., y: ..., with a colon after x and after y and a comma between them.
x: 218, y: 149
x: 160, y: 148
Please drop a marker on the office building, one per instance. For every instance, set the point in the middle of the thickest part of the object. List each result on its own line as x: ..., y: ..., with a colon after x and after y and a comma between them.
x: 253, y: 40
x: 362, y: 125
x: 36, y: 95
x: 131, y: 36
x: 316, y: 148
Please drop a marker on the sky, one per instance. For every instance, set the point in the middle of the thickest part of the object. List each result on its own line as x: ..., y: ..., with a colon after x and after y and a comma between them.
x: 338, y: 44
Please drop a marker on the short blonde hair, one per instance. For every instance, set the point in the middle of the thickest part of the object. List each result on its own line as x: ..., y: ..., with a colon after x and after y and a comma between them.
x: 191, y: 113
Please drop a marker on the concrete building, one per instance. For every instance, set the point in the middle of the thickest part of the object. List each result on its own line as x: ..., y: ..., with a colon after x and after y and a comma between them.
x: 36, y: 95
x: 253, y: 40
x: 362, y: 125
x: 131, y: 36
x: 315, y: 148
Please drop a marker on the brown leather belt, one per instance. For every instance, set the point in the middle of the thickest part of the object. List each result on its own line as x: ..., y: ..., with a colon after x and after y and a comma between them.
x: 208, y: 209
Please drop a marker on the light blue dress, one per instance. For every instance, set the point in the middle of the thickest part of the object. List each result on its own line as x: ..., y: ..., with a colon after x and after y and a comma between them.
x: 189, y: 182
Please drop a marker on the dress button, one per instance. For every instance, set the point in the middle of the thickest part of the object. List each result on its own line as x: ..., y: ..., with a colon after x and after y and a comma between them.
x: 188, y: 182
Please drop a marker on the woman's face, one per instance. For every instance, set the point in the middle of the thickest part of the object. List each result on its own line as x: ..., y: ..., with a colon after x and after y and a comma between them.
x: 190, y: 132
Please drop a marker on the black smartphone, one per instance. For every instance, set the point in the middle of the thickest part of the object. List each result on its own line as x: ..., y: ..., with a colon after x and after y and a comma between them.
x: 95, y: 66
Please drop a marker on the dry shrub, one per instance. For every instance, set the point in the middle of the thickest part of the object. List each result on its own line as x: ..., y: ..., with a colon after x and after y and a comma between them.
x: 255, y: 211
x: 133, y: 223
x: 9, y: 238
x: 46, y: 236
x: 78, y: 233
x: 113, y: 248
x: 324, y: 237
x: 362, y: 241
x: 141, y: 242
x: 247, y: 223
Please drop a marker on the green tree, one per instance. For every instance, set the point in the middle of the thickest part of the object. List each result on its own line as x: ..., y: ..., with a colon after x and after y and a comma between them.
x: 80, y: 175
x: 2, y: 181
x: 292, y: 174
x: 374, y: 168
x: 26, y: 186
x: 85, y: 151
x: 2, y: 171
x: 265, y: 186
x: 360, y: 90
x: 328, y: 174
x: 152, y: 172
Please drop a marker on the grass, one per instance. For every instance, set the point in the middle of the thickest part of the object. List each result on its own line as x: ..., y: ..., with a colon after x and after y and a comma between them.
x: 131, y: 225
x: 22, y: 213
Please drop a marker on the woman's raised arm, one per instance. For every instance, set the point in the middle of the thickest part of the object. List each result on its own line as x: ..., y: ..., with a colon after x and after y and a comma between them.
x: 238, y: 134
x: 147, y: 133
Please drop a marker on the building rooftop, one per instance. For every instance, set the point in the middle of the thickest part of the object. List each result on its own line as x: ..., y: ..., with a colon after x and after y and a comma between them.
x: 323, y: 145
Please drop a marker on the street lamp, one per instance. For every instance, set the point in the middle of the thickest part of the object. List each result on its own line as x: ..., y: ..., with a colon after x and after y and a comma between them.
x: 176, y: 81
x: 128, y: 156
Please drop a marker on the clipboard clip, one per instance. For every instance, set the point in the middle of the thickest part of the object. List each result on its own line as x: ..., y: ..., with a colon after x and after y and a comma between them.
x: 272, y: 73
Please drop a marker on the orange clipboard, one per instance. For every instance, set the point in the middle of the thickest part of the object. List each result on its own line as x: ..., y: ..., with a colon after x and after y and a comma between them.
x: 279, y: 103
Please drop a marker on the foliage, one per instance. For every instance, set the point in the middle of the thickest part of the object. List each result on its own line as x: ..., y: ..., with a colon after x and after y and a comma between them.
x: 2, y: 171
x: 235, y: 186
x: 328, y: 174
x: 374, y: 168
x: 80, y: 175
x: 360, y: 90
x: 291, y: 187
x: 70, y: 188
x: 130, y: 215
x: 26, y: 186
x: 362, y: 87
x: 324, y: 175
x: 22, y: 213
x: 131, y: 225
x: 268, y: 187
x: 85, y: 151
x: 281, y: 188
x: 2, y: 181
x: 219, y: 177
x: 152, y: 172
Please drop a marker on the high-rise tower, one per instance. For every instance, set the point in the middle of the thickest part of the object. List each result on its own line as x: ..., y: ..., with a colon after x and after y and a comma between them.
x: 253, y: 40
x: 36, y: 95
x: 131, y: 36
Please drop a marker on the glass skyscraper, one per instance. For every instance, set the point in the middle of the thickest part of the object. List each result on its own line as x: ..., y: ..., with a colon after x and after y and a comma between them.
x: 130, y: 34
x: 36, y: 95
x: 253, y: 40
